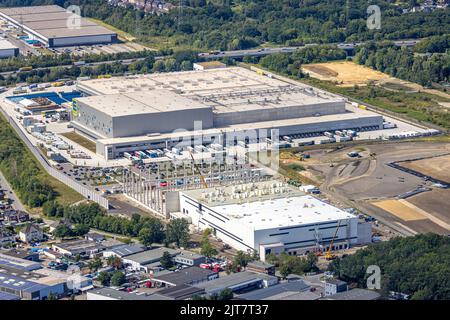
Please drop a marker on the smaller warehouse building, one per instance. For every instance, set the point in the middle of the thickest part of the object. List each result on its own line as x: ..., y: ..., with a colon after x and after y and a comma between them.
x: 239, y: 282
x: 8, y: 50
x: 147, y: 260
x: 188, y: 276
x: 53, y: 26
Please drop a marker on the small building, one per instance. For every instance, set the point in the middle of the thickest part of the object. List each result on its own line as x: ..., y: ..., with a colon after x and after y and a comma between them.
x: 189, y: 258
x: 84, y: 248
x: 96, y: 237
x: 261, y: 267
x: 354, y: 294
x: 208, y: 65
x: 22, y: 254
x: 181, y: 292
x: 189, y: 276
x: 123, y: 250
x: 6, y: 236
x: 239, y: 282
x: 333, y: 286
x: 277, y: 291
x: 31, y: 233
x: 112, y: 294
x: 143, y: 261
x: 10, y: 261
x: 15, y: 216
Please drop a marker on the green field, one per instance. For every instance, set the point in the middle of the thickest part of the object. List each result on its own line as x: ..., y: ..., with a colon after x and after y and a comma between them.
x: 82, y: 141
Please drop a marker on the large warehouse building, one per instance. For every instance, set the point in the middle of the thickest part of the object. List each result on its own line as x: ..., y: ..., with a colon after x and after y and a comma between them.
x: 271, y: 217
x: 56, y: 27
x: 142, y: 112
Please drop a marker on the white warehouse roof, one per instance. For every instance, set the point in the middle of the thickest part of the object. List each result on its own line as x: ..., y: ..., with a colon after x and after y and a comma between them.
x: 267, y: 205
x: 154, y: 101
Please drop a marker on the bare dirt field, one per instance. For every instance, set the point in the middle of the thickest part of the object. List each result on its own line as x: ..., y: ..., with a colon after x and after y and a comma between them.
x: 437, y: 167
x: 348, y: 74
x: 371, y: 185
x: 400, y: 209
x: 435, y: 202
x: 345, y: 73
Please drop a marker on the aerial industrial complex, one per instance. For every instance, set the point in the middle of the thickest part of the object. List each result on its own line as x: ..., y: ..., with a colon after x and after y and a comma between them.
x: 55, y: 27
x: 125, y: 114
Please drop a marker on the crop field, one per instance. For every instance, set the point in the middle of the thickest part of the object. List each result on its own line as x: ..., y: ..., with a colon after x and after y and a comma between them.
x: 344, y: 73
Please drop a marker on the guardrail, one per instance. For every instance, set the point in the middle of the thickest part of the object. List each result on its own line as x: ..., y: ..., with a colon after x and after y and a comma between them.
x: 81, y: 189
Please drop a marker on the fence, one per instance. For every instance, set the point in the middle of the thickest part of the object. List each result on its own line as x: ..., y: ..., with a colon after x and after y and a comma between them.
x: 81, y: 189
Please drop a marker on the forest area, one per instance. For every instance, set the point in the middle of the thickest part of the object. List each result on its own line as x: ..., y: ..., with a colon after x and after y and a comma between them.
x: 417, y: 266
x: 242, y: 24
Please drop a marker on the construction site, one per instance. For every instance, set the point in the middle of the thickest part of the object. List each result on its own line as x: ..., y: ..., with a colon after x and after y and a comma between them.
x: 402, y: 185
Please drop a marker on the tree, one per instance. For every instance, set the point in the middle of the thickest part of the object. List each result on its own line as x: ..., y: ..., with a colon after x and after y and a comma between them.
x: 226, y: 294
x: 104, y: 278
x: 95, y: 264
x: 242, y: 259
x: 177, y: 231
x: 62, y: 231
x: 166, y: 260
x: 52, y: 296
x: 284, y: 270
x: 206, y: 247
x: 153, y: 232
x: 118, y: 278
x: 207, y: 250
x: 80, y: 230
x: 114, y: 261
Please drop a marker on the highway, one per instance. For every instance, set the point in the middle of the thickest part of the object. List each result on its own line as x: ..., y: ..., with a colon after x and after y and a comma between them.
x: 227, y: 54
x: 267, y: 51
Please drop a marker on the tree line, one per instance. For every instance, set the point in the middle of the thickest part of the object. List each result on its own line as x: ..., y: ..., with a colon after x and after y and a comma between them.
x: 242, y: 24
x: 403, y: 63
x: 417, y: 266
x: 22, y: 170
x: 148, y: 230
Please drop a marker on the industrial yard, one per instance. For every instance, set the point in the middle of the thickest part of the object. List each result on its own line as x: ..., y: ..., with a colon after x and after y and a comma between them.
x: 369, y: 182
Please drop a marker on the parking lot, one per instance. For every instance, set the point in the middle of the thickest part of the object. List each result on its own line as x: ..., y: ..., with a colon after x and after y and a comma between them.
x: 99, y: 49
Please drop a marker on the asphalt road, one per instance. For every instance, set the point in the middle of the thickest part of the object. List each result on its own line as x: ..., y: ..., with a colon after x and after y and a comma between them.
x: 267, y: 51
x: 4, y: 184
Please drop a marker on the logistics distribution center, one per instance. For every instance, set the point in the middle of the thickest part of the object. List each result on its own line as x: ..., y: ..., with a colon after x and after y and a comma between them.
x: 141, y: 112
x: 56, y: 27
x: 271, y: 217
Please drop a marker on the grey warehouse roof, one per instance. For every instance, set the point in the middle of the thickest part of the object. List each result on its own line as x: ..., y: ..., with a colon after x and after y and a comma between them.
x: 109, y: 293
x: 270, y: 292
x: 354, y: 294
x: 229, y: 281
x: 53, y: 22
x: 185, y: 276
x: 127, y: 249
x: 150, y: 256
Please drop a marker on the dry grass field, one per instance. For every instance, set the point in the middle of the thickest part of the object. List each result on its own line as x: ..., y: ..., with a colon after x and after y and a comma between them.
x: 400, y: 209
x: 344, y: 73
